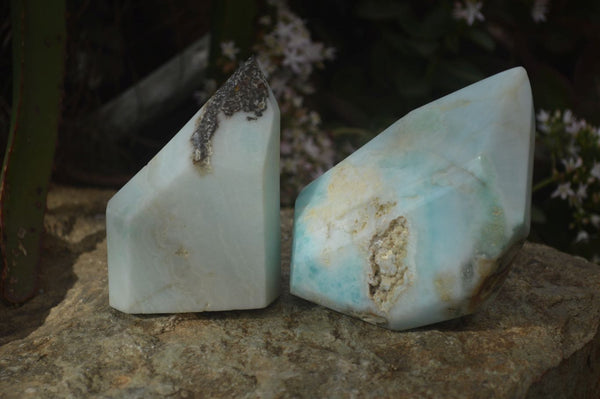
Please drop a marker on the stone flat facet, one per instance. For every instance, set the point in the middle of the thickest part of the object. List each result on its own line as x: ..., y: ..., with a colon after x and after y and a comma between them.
x: 197, y: 229
x: 420, y: 224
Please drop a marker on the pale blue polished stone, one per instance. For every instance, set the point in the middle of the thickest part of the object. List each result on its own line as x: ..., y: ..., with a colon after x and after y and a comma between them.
x: 197, y: 229
x: 420, y: 224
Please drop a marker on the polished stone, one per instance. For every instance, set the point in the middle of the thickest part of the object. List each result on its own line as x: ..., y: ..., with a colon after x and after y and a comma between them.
x: 197, y: 229
x: 420, y: 224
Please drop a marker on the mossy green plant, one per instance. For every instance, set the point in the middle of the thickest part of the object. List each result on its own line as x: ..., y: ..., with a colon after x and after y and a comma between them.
x: 39, y: 35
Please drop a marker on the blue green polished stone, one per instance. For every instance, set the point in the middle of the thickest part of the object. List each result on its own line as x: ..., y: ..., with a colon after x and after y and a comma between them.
x: 420, y: 224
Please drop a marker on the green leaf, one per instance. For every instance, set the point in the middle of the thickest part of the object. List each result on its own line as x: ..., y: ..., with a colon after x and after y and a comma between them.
x: 463, y: 70
x: 482, y: 39
x: 423, y: 47
x: 381, y: 64
x: 435, y: 23
x: 410, y: 82
x: 538, y: 215
x: 381, y: 10
x: 397, y: 42
x: 550, y: 89
x: 232, y: 20
x: 452, y: 43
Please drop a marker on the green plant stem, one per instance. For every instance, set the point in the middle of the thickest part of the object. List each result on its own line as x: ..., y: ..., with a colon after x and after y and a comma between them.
x: 542, y: 184
x: 231, y: 20
x: 342, y: 131
x: 38, y: 36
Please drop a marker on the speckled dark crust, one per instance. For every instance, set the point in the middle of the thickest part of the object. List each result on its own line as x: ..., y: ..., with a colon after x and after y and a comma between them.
x: 246, y: 90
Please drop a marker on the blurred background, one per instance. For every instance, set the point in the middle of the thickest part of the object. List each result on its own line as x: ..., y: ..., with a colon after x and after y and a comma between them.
x: 342, y: 70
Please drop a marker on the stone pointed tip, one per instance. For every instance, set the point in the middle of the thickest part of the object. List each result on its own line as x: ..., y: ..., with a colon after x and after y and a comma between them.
x: 245, y: 91
x: 515, y: 76
x: 519, y: 70
x: 251, y: 62
x: 518, y: 77
x: 518, y: 74
x: 250, y: 69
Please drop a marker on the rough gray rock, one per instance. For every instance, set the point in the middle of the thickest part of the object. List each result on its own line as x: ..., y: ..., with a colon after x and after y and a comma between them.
x: 539, y: 338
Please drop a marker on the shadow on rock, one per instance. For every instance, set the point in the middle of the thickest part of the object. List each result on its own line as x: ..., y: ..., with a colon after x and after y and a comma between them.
x: 56, y: 278
x: 74, y: 224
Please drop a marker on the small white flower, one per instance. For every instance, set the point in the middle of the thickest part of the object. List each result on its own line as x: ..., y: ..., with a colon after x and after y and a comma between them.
x: 285, y: 148
x: 563, y: 191
x: 543, y: 116
x: 285, y: 30
x: 470, y: 11
x: 581, y: 193
x: 582, y: 236
x: 290, y: 165
x: 329, y: 53
x: 311, y: 148
x: 284, y: 13
x: 573, y: 149
x: 595, y: 172
x: 278, y: 85
x: 296, y: 61
x: 266, y: 66
x: 595, y: 220
x: 314, y: 52
x: 315, y: 119
x: 567, y: 117
x: 229, y: 50
x: 306, y: 166
x: 297, y: 101
x: 575, y: 126
x: 271, y: 42
x: 300, y: 41
x: 306, y: 88
x: 539, y: 10
x: 289, y: 55
x: 571, y: 164
x: 265, y: 20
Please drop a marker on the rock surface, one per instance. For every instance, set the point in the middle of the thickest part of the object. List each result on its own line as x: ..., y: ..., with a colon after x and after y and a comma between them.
x: 539, y: 338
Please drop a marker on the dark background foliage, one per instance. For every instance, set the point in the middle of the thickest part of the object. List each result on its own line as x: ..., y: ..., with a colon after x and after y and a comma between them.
x: 394, y: 56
